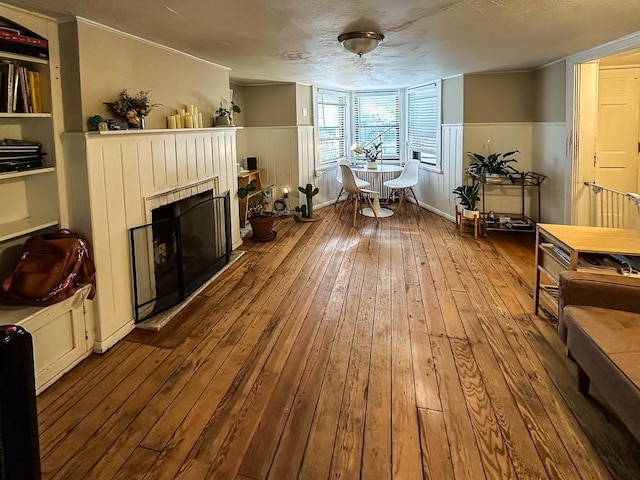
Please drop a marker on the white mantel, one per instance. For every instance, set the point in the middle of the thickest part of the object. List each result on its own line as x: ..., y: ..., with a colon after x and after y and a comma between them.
x: 111, y: 175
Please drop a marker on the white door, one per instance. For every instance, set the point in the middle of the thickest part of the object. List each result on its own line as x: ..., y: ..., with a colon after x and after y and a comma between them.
x: 617, y: 133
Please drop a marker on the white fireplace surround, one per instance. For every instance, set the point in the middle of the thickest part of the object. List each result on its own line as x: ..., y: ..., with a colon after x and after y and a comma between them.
x: 165, y: 198
x: 116, y: 179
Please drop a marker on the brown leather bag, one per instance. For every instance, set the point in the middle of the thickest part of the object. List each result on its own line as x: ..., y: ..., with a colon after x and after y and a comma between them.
x: 50, y: 269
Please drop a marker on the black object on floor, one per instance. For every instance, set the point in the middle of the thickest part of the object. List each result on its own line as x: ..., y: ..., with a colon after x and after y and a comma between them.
x: 19, y: 444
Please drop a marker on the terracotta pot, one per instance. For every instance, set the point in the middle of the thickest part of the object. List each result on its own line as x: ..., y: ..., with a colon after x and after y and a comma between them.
x: 262, y: 228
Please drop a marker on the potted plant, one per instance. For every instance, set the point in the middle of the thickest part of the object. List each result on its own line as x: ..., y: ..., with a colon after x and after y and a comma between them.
x: 132, y: 108
x: 224, y: 113
x: 371, y: 153
x: 261, y: 220
x: 493, y: 167
x: 469, y: 198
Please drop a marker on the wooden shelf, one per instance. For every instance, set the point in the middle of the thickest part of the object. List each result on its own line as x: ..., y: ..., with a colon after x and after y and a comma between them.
x: 24, y: 58
x: 26, y: 173
x: 25, y: 226
x: 25, y: 115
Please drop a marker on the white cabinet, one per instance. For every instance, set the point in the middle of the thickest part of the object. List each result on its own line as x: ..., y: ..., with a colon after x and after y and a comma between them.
x: 62, y: 334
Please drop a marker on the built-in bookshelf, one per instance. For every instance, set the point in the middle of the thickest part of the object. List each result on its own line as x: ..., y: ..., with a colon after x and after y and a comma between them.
x: 29, y: 94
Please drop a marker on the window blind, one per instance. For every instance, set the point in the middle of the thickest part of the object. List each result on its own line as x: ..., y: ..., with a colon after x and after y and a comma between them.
x: 374, y: 113
x: 423, y: 129
x: 332, y: 106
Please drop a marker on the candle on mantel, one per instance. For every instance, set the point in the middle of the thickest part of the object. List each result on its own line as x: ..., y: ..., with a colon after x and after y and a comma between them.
x: 188, y: 121
x: 201, y: 125
x: 190, y: 110
x: 179, y: 121
x: 171, y: 122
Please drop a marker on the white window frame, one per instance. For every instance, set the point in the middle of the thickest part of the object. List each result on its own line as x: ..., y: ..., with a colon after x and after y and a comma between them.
x: 324, y: 164
x: 355, y: 124
x: 416, y: 145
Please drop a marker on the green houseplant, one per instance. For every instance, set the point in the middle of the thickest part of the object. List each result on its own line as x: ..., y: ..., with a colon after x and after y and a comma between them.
x: 469, y: 197
x: 260, y: 219
x: 224, y: 113
x: 493, y: 167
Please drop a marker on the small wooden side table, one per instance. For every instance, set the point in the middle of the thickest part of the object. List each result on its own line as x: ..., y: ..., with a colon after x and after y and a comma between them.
x: 477, y: 223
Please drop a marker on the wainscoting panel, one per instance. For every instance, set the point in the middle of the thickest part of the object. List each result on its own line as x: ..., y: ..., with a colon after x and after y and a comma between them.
x: 306, y: 156
x: 277, y: 151
x: 110, y: 177
x: 434, y: 189
x: 550, y: 159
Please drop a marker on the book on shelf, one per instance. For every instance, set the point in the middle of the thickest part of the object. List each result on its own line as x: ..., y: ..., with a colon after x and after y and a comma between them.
x: 20, y: 88
x: 518, y: 224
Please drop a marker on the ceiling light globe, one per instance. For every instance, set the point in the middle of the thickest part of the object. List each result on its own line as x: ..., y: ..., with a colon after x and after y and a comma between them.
x: 360, y: 43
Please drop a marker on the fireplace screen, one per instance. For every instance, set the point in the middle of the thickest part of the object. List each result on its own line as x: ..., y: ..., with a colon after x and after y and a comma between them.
x: 186, y: 243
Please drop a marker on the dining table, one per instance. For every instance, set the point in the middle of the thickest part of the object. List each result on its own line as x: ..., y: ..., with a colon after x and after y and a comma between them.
x: 379, y: 170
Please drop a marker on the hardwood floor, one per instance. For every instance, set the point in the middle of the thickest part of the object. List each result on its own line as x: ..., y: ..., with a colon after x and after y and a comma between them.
x: 394, y: 351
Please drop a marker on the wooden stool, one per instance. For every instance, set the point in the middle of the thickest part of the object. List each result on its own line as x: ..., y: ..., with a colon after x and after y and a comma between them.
x: 476, y: 222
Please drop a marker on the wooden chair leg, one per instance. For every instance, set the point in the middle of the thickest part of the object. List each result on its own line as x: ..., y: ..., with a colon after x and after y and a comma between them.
x: 371, y: 207
x: 355, y: 210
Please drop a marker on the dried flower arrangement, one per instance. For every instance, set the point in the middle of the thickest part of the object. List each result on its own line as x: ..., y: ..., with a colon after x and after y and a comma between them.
x: 139, y: 103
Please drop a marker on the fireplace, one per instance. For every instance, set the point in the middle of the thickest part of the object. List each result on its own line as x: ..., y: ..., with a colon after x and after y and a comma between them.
x: 186, y: 243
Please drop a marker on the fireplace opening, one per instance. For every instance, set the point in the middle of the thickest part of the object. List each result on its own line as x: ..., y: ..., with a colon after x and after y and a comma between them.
x: 186, y: 243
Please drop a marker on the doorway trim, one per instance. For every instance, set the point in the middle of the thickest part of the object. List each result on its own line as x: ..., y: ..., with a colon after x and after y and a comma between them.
x: 581, y: 95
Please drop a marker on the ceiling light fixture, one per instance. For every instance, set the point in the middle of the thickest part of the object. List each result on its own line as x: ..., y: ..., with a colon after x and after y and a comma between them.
x: 360, y: 42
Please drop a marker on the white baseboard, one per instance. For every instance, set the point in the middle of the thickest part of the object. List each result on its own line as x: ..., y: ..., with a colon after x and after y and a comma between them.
x: 111, y: 340
x: 437, y: 212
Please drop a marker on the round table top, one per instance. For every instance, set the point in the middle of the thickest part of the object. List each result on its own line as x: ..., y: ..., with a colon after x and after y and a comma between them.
x: 380, y: 168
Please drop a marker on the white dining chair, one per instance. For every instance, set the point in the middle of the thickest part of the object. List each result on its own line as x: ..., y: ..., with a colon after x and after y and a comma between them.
x: 402, y: 186
x: 361, y: 183
x: 359, y: 195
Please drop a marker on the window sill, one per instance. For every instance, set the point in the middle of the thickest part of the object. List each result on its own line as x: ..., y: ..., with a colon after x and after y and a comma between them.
x: 431, y: 169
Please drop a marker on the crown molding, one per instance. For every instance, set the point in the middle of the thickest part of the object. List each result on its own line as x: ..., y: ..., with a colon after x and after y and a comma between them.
x: 142, y: 40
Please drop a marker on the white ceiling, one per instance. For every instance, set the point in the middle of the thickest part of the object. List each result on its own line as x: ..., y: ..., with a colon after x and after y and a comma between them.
x: 295, y: 40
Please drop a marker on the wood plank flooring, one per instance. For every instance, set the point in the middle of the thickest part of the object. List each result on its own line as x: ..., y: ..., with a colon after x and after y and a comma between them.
x: 399, y: 351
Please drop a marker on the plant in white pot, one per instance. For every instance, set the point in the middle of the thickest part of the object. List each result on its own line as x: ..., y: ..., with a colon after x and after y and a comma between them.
x: 469, y: 198
x: 224, y: 113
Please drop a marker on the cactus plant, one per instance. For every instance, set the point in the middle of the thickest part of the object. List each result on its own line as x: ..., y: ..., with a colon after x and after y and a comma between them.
x: 310, y: 192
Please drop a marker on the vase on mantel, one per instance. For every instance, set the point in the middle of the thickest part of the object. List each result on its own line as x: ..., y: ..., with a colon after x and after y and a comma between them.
x: 223, y: 121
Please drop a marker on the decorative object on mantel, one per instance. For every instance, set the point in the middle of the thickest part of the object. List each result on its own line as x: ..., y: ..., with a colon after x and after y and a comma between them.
x: 132, y: 109
x: 94, y: 122
x: 187, y: 117
x: 224, y: 113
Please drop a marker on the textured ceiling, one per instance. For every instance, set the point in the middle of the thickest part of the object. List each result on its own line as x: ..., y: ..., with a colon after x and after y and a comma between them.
x: 295, y: 40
